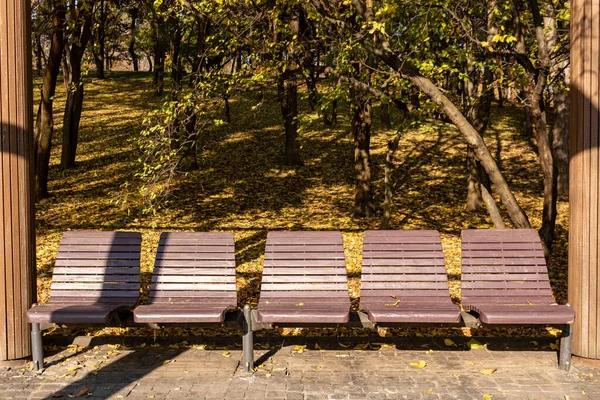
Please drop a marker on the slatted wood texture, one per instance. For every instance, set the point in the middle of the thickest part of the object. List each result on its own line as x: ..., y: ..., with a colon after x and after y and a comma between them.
x: 404, y: 278
x: 304, y: 279
x: 17, y: 251
x: 505, y: 278
x: 95, y: 273
x: 193, y: 280
x: 584, y: 198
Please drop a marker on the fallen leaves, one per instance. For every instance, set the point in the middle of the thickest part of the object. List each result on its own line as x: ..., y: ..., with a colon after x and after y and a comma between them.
x: 82, y: 392
x: 449, y: 343
x: 299, y: 349
x: 420, y: 365
x: 488, y: 371
x: 394, y: 304
x: 474, y: 344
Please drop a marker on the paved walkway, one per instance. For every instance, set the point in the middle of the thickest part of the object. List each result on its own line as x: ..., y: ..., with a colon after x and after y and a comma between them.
x: 327, y: 370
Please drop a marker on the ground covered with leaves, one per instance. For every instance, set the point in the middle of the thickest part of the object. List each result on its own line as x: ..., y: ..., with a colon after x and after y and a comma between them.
x: 244, y: 187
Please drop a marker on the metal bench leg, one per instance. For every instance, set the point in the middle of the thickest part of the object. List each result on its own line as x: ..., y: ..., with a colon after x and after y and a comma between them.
x: 566, y: 344
x: 248, y: 340
x: 37, y: 350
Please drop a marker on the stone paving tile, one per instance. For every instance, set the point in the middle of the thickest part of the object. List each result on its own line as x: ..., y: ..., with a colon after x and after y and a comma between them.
x: 113, y: 372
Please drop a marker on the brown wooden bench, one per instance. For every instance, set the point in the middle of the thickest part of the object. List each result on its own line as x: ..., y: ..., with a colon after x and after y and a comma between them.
x: 505, y: 281
x: 193, y: 280
x: 304, y: 279
x: 96, y: 274
x: 404, y: 279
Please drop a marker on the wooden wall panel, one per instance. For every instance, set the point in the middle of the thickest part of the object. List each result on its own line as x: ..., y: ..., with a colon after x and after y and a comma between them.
x: 584, y: 235
x: 17, y: 236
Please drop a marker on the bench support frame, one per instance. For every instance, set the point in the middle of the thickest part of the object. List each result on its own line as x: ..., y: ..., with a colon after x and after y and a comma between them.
x: 566, y: 346
x: 37, y: 349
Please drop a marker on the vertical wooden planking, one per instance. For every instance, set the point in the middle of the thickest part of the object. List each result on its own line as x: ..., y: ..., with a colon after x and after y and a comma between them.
x: 17, y: 251
x: 584, y: 237
x: 594, y: 174
x: 575, y: 147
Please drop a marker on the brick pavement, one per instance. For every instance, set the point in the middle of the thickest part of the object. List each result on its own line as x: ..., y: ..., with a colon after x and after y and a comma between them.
x: 290, y: 371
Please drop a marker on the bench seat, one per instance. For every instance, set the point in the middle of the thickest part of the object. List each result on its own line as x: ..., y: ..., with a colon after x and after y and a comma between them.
x: 304, y: 279
x: 505, y: 279
x: 404, y: 278
x: 193, y: 280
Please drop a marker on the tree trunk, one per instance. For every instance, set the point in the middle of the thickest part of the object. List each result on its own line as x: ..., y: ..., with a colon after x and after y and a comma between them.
x: 72, y: 118
x: 132, y: 32
x: 44, y: 126
x: 388, y: 193
x: 98, y: 50
x: 385, y: 121
x: 362, y: 115
x: 74, y: 105
x: 189, y: 161
x: 149, y: 59
x: 38, y: 53
x: 176, y: 67
x: 560, y: 136
x: 159, y: 68
x: 288, y: 98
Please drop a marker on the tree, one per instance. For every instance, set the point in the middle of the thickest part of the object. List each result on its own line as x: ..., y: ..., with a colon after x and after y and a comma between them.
x: 79, y: 18
x: 44, y: 127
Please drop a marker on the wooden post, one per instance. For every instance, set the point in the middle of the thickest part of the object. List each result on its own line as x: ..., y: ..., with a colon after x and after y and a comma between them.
x: 584, y: 227
x: 17, y: 236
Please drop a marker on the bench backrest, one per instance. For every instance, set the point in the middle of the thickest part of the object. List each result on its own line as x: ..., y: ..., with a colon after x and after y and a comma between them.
x: 304, y: 264
x: 507, y: 266
x: 404, y: 264
x: 96, y: 266
x: 194, y: 264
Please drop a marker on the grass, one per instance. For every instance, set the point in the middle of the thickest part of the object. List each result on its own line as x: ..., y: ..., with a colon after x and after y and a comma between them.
x: 243, y: 186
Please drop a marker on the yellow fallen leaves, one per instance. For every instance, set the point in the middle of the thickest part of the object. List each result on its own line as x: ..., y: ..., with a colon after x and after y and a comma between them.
x: 554, y: 346
x: 420, y: 365
x: 394, y: 304
x: 487, y: 397
x: 488, y: 371
x: 299, y: 349
x: 474, y: 344
x: 226, y: 354
x: 449, y: 342
x: 299, y: 304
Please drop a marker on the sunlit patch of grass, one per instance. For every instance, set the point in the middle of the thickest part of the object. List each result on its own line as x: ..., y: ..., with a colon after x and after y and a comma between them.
x: 243, y: 185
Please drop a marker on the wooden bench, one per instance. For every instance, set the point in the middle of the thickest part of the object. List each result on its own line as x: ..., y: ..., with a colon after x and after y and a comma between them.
x: 404, y: 279
x: 505, y: 281
x: 194, y: 282
x: 193, y: 279
x: 96, y: 274
x: 304, y: 279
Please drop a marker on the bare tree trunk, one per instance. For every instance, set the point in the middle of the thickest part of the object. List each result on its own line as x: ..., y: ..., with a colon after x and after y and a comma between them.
x: 159, y: 50
x: 560, y: 131
x: 362, y: 115
x: 132, y: 32
x: 38, y: 54
x: 560, y: 135
x: 176, y: 67
x: 98, y: 48
x: 388, y: 192
x: 189, y: 160
x: 44, y: 127
x: 478, y: 115
x: 385, y: 121
x: 80, y: 37
x: 288, y: 98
